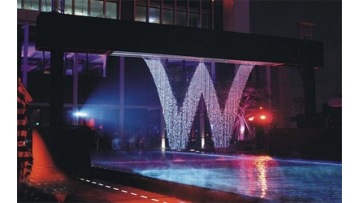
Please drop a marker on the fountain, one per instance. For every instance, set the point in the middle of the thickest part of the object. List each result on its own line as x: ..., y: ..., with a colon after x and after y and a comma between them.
x: 179, y: 119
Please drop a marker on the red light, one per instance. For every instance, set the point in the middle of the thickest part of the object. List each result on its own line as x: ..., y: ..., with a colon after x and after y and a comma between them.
x: 262, y: 117
x: 251, y: 118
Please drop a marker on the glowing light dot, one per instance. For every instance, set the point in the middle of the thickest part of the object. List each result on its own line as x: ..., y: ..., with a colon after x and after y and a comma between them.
x: 80, y: 114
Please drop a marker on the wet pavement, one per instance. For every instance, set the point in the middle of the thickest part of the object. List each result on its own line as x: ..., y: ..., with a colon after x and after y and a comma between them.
x: 49, y: 183
x: 270, y: 179
x: 77, y: 189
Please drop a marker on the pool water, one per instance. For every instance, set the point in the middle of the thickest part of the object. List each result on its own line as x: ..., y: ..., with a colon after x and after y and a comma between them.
x: 277, y: 180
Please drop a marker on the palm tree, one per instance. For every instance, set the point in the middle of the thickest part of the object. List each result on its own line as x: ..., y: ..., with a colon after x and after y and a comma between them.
x: 250, y: 100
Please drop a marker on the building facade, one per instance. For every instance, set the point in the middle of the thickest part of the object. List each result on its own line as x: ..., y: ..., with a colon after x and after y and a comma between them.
x: 118, y: 90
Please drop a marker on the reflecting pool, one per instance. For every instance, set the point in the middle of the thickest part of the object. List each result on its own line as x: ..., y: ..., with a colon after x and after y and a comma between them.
x: 272, y: 179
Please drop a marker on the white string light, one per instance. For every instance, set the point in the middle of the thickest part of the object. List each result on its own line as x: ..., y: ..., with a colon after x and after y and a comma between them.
x: 179, y: 120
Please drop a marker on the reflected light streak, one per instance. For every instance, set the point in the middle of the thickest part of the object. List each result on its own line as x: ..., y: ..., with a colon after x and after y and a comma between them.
x: 261, y: 167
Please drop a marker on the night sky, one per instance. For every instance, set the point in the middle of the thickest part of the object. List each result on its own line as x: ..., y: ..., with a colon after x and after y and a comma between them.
x: 279, y: 18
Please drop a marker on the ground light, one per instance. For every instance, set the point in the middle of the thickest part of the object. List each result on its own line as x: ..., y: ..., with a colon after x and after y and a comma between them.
x: 260, y: 117
x: 80, y: 114
x: 82, y: 118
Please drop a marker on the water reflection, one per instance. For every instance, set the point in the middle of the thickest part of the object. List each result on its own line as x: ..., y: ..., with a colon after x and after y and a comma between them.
x: 261, y: 170
x: 258, y: 176
x: 252, y: 175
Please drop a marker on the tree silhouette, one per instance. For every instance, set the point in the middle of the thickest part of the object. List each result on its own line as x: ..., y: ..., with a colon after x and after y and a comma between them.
x: 250, y: 100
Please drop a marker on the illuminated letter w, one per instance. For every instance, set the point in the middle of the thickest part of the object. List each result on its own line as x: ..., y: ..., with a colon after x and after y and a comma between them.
x: 179, y: 120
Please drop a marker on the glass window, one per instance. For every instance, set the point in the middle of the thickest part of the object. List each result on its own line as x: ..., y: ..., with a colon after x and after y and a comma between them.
x: 154, y: 16
x: 181, y: 18
x: 31, y: 5
x: 81, y: 7
x: 140, y: 14
x: 68, y: 7
x: 97, y: 8
x: 19, y: 4
x: 111, y: 10
x: 168, y: 17
x: 194, y: 20
x: 46, y: 5
x: 205, y: 21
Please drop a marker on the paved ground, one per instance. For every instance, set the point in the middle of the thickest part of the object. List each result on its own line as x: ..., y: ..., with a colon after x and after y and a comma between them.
x: 47, y: 183
x: 86, y: 190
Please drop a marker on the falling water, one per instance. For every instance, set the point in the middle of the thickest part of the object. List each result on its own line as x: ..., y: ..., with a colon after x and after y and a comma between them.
x: 179, y: 120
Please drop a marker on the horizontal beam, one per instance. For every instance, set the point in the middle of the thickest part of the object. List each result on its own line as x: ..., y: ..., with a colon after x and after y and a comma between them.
x: 98, y: 35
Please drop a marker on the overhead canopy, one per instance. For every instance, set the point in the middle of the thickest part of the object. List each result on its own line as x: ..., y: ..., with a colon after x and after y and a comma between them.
x: 72, y: 33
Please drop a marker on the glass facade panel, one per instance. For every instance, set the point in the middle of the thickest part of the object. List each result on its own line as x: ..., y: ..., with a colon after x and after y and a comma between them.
x: 81, y: 7
x: 111, y: 10
x: 97, y: 8
x: 168, y: 17
x: 154, y: 16
x: 181, y: 18
x: 140, y: 14
x: 68, y: 7
x: 46, y: 5
x: 194, y: 20
x: 205, y: 21
x: 19, y: 4
x: 31, y: 5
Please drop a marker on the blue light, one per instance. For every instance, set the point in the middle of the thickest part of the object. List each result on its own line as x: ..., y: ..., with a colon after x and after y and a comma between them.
x: 80, y: 114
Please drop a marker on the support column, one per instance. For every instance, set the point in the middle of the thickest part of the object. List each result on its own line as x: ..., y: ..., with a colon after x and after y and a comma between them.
x: 268, y: 86
x: 127, y: 10
x: 121, y: 95
x: 306, y: 31
x: 213, y: 72
x: 309, y: 95
x: 104, y: 58
x: 25, y: 57
x: 162, y: 131
x: 236, y: 16
x: 284, y: 99
x: 202, y: 123
x: 20, y: 40
x: 161, y: 11
x: 75, y: 89
x: 118, y: 9
x: 212, y: 15
x: 104, y: 9
x: 147, y: 11
x: 174, y: 13
x: 57, y: 89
